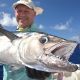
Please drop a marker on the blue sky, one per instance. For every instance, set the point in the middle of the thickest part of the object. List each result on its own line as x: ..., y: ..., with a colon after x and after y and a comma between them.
x: 60, y: 17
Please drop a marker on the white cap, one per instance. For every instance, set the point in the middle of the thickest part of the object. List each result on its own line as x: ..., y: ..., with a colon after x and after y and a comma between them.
x: 29, y: 4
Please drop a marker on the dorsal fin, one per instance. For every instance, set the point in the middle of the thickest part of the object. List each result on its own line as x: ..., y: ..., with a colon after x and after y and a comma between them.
x: 9, y: 34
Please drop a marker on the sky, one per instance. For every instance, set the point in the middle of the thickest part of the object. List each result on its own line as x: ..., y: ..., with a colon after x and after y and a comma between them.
x: 60, y: 17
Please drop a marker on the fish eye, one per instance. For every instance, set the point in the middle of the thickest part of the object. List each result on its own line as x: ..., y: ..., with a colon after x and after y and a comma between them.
x: 44, y: 39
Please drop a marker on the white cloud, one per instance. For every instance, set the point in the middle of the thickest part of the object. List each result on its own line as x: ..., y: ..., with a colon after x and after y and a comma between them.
x: 76, y: 38
x: 65, y: 26
x: 7, y: 20
x: 60, y: 27
x: 2, y: 4
x: 41, y: 26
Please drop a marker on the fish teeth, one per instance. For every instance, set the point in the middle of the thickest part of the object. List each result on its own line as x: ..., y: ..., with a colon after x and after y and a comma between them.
x: 57, y: 56
x: 61, y: 58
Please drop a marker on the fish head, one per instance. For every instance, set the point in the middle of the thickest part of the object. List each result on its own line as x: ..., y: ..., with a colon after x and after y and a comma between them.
x: 49, y: 51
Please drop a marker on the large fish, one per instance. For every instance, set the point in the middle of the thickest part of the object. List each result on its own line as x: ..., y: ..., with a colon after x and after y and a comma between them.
x: 36, y: 50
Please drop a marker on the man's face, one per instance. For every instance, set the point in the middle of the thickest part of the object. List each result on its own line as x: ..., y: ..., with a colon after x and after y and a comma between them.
x: 24, y: 15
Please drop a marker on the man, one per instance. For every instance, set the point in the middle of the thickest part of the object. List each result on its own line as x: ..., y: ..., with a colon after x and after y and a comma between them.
x: 25, y: 13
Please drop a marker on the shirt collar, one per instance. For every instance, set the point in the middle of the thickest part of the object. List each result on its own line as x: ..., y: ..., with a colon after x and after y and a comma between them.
x: 23, y: 29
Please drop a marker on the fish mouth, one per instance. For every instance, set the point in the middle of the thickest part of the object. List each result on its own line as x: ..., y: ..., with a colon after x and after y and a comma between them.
x: 59, y: 55
x: 62, y: 50
x: 56, y: 53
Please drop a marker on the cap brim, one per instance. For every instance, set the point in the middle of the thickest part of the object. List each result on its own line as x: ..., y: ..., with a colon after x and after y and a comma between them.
x: 38, y: 10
